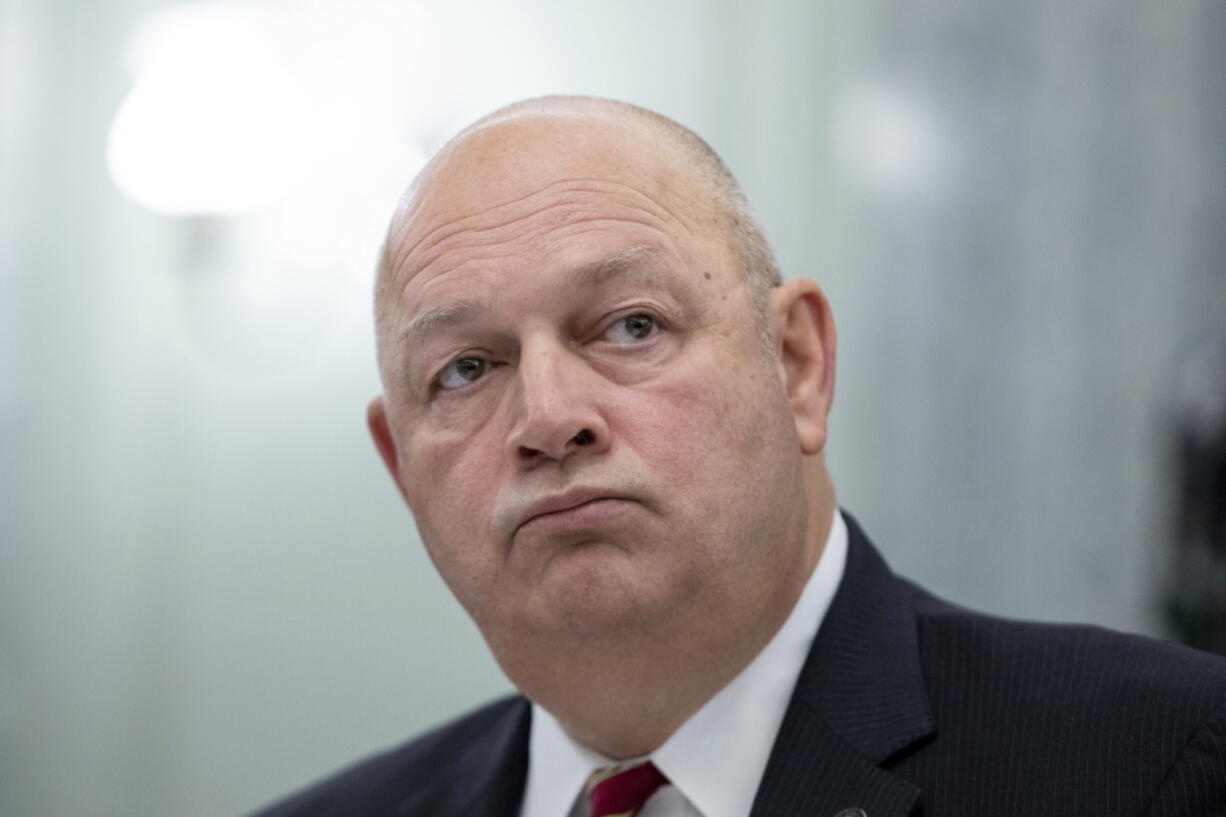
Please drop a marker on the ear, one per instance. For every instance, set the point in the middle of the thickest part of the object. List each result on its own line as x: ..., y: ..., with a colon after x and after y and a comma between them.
x: 803, y: 332
x: 381, y: 432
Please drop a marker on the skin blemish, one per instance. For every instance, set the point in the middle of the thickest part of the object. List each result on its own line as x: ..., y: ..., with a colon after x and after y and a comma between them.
x: 707, y: 275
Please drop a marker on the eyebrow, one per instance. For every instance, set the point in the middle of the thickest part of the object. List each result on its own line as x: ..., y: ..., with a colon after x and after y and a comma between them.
x: 640, y: 259
x: 434, y: 319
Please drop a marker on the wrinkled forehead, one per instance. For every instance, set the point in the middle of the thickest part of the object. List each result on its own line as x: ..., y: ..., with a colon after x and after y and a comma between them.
x: 492, y: 179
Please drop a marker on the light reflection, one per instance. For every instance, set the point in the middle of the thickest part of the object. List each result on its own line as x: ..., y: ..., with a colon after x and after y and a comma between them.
x: 281, y: 176
x: 887, y: 141
x: 215, y: 125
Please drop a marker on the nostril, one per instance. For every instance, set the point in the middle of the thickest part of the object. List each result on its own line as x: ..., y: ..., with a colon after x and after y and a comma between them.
x: 584, y: 437
x: 528, y: 453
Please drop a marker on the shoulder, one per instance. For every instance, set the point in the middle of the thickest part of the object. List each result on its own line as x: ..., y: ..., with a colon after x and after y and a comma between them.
x: 436, y: 773
x: 1077, y: 663
x: 1071, y: 699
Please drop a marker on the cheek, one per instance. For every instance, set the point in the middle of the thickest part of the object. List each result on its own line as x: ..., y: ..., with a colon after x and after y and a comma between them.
x: 451, y: 482
x: 700, y: 428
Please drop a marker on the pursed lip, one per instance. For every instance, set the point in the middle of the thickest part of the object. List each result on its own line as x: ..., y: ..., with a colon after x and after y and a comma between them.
x: 565, y: 502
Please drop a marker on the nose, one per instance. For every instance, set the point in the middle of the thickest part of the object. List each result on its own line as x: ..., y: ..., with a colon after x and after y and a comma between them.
x: 556, y: 411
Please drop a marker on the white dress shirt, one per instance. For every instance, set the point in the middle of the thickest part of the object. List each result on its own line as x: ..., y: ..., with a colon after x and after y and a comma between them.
x: 715, y: 760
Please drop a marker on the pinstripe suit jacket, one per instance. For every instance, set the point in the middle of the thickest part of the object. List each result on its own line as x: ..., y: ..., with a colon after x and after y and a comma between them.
x: 906, y: 705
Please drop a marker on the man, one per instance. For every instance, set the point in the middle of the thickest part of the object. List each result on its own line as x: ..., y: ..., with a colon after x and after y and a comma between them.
x: 607, y: 414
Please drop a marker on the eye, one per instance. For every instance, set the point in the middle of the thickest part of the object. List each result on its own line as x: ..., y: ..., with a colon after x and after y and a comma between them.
x: 461, y: 371
x: 631, y: 328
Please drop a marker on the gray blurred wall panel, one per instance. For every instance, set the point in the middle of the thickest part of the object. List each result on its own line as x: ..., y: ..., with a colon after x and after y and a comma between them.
x: 1016, y: 329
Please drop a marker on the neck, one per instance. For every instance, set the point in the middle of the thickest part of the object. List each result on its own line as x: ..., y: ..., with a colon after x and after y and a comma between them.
x: 623, y: 695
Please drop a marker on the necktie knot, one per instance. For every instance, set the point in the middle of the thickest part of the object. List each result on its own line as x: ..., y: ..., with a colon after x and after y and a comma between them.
x: 621, y: 792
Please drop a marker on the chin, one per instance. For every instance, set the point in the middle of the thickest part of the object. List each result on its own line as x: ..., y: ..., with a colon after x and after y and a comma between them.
x: 596, y: 591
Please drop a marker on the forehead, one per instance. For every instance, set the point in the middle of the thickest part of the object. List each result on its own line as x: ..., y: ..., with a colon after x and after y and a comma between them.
x: 519, y: 192
x: 643, y: 267
x: 562, y: 218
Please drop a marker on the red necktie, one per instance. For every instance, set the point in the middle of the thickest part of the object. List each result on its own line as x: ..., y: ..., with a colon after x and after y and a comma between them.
x: 623, y: 793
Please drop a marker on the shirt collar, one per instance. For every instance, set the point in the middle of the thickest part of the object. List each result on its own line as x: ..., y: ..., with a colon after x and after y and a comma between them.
x: 746, y: 713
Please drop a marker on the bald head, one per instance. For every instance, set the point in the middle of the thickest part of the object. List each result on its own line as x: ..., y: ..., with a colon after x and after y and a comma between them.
x: 484, y: 155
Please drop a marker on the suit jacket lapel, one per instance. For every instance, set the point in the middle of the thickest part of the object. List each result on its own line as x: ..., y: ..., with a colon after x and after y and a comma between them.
x: 495, y: 769
x: 860, y: 699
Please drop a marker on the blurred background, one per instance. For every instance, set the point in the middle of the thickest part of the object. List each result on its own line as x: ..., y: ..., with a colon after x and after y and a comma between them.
x: 210, y: 592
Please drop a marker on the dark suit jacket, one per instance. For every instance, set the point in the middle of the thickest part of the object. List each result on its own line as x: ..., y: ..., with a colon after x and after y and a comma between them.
x: 906, y: 705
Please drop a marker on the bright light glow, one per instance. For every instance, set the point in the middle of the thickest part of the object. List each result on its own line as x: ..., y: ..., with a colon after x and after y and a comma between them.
x: 886, y: 141
x: 214, y: 125
x: 220, y: 123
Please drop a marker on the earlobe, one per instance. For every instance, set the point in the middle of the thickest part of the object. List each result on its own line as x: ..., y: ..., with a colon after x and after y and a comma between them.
x: 805, y: 345
x: 381, y: 433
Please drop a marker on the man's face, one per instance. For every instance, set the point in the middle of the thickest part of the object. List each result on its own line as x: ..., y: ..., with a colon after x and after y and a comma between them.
x: 585, y: 424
